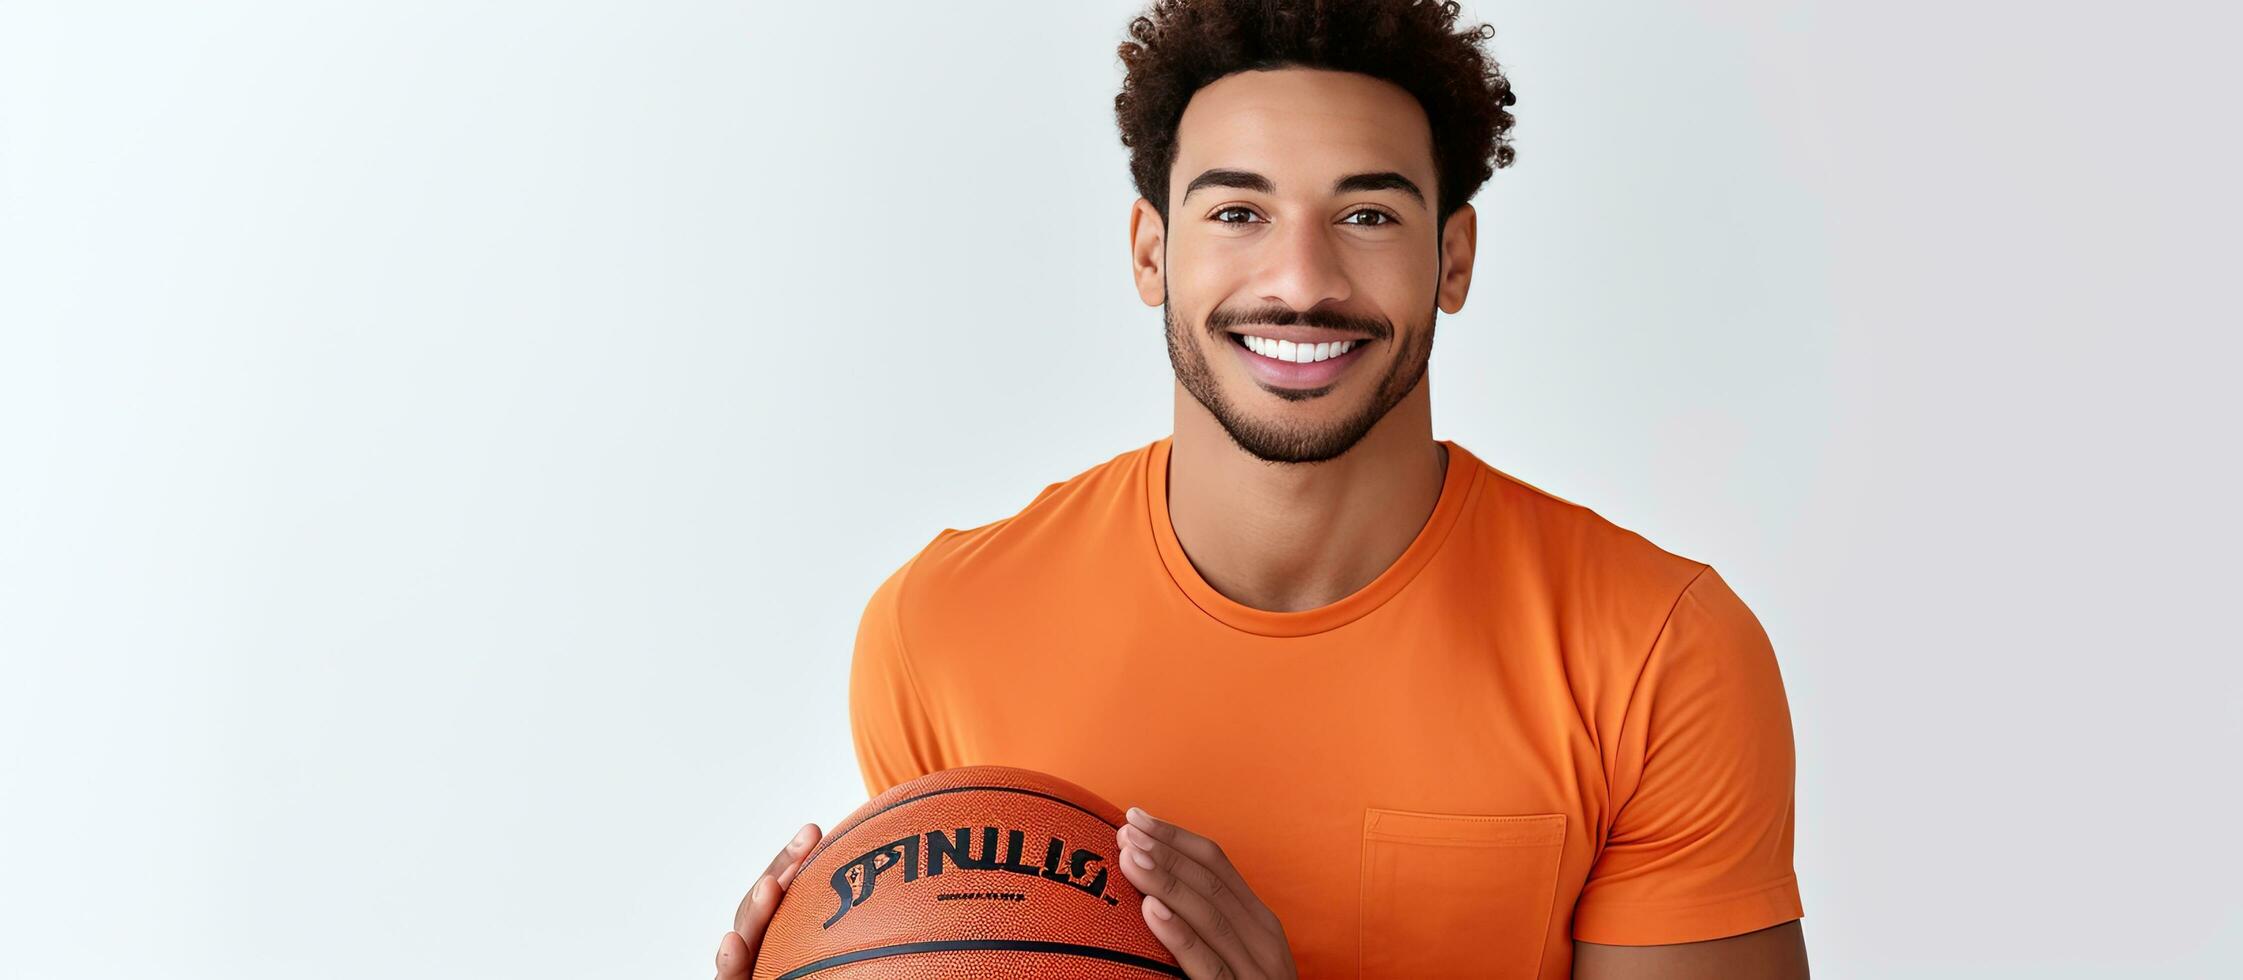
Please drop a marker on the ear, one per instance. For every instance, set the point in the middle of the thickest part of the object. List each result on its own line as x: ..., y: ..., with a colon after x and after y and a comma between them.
x: 1457, y: 238
x: 1147, y: 236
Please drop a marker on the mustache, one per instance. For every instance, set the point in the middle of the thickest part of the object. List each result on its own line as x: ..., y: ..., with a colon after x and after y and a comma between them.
x: 1377, y: 328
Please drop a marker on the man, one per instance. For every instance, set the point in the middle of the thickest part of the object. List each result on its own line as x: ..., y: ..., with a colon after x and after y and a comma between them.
x: 1382, y: 709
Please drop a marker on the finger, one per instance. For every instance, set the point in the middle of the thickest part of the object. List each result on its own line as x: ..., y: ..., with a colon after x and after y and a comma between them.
x: 1225, y: 911
x: 1210, y: 854
x: 1199, y: 960
x: 1179, y: 883
x: 733, y: 957
x: 783, y: 866
x: 1209, y: 884
x: 762, y: 899
x: 755, y: 911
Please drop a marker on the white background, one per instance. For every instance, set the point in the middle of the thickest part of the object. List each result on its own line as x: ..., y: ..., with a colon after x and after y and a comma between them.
x: 445, y: 447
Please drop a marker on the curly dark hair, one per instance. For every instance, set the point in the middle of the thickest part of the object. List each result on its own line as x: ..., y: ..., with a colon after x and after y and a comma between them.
x: 1180, y: 45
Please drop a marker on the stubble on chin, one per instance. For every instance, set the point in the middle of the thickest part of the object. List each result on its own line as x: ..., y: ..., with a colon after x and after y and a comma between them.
x: 1279, y: 442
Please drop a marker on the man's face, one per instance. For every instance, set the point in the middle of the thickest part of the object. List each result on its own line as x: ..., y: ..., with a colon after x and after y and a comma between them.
x: 1300, y: 266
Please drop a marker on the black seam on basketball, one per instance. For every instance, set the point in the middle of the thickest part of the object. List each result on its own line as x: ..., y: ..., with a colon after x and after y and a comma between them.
x: 843, y: 831
x: 951, y: 945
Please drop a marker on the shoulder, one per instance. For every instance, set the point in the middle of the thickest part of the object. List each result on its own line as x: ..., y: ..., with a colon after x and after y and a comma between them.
x: 1574, y: 548
x: 1607, y: 589
x: 1068, y: 522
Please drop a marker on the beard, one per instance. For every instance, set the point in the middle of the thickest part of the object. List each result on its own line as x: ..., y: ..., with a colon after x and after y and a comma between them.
x: 1283, y: 441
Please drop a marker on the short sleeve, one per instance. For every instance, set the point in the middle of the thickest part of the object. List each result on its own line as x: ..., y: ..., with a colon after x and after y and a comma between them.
x: 1700, y: 843
x: 888, y: 718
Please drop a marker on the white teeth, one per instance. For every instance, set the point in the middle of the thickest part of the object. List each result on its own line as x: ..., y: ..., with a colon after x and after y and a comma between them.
x: 1286, y: 350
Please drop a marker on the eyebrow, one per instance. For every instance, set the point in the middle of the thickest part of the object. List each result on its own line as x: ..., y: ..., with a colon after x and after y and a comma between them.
x: 1247, y: 180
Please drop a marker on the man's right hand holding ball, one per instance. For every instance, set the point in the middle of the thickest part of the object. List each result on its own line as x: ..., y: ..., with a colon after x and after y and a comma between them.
x: 736, y: 951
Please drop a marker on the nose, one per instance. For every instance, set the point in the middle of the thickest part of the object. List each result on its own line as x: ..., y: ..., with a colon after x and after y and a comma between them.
x: 1301, y: 268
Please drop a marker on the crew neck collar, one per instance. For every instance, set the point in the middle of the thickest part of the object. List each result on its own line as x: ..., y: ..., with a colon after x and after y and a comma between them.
x: 1457, y: 484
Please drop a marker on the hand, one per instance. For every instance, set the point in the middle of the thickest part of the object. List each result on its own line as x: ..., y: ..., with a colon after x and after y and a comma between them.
x: 736, y: 951
x: 1198, y: 906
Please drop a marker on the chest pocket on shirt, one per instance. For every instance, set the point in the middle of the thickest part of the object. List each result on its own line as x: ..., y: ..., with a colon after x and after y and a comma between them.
x: 1457, y: 894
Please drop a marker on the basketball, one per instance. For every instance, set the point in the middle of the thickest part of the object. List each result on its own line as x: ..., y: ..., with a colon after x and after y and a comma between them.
x: 974, y: 872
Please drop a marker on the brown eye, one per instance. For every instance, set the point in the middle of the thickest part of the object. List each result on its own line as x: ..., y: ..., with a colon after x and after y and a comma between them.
x: 1234, y: 209
x: 1383, y: 218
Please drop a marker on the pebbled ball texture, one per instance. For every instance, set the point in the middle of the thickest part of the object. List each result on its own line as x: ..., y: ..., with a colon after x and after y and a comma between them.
x: 976, y: 872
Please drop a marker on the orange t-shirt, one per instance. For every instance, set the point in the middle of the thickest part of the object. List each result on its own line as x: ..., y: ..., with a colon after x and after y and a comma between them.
x: 1535, y: 726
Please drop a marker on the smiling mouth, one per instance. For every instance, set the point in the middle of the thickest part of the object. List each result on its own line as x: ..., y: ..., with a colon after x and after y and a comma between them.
x: 1289, y: 352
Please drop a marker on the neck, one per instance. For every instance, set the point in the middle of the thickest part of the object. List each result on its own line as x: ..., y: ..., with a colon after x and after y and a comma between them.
x: 1285, y: 537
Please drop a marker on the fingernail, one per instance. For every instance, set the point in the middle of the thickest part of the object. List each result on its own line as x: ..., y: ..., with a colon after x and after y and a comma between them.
x: 801, y: 840
x: 1159, y: 907
x: 1136, y: 838
x: 1143, y: 859
x: 762, y: 894
x: 1140, y: 818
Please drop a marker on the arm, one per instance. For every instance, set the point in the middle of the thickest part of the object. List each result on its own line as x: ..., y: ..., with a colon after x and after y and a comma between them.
x: 895, y: 734
x: 1695, y: 878
x: 1776, y: 953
